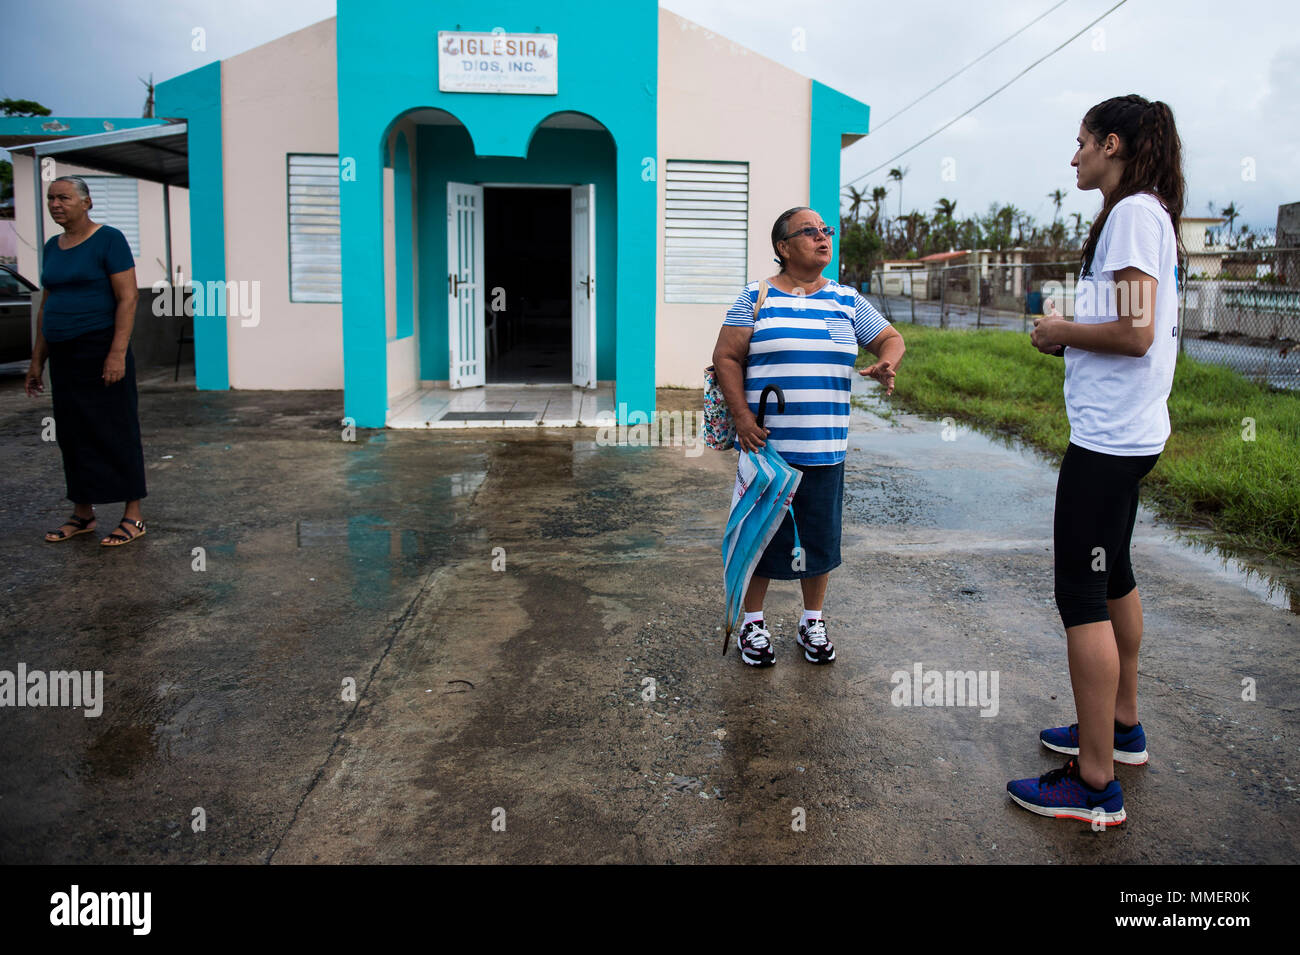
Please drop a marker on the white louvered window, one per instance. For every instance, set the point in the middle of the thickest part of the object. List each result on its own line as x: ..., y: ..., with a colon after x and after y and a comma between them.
x: 315, y: 254
x: 116, y: 202
x: 706, y: 229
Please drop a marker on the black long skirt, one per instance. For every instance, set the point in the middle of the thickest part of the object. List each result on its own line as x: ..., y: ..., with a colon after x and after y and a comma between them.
x: 97, y: 426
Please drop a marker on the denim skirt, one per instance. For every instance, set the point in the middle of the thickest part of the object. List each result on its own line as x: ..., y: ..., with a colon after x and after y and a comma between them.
x: 818, y: 509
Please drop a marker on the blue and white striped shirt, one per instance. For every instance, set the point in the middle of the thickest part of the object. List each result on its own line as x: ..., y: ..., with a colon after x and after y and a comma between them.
x: 807, y: 345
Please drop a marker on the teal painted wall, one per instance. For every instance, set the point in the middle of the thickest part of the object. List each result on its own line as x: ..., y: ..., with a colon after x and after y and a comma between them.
x: 402, y: 248
x: 36, y: 126
x: 388, y: 65
x: 196, y: 97
x: 557, y: 155
x: 833, y: 114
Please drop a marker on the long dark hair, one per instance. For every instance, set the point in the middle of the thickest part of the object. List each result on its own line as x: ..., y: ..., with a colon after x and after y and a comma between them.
x: 779, y: 227
x: 1153, y: 156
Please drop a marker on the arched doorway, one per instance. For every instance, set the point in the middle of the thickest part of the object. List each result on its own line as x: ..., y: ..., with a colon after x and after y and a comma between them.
x: 516, y: 247
x: 514, y: 259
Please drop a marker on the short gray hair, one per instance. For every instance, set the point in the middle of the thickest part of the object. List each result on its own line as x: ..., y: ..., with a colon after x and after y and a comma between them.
x: 77, y: 181
x: 778, y: 231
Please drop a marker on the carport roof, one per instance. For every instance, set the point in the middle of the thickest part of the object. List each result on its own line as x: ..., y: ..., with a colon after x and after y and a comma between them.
x: 153, y: 153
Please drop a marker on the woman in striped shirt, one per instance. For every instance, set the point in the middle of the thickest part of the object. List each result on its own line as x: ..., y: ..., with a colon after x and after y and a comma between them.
x: 804, y: 337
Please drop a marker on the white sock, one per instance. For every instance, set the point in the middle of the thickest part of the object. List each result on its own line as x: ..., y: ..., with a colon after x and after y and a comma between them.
x: 809, y: 615
x: 752, y: 617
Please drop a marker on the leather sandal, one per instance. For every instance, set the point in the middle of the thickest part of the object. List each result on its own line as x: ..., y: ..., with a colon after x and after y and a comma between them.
x: 82, y: 525
x: 116, y: 539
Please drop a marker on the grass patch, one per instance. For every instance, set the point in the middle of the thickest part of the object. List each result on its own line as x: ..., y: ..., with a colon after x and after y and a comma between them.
x: 1208, y: 474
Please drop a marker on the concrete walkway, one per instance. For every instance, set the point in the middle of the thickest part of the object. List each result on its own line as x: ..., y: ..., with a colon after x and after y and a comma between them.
x: 503, y: 406
x: 519, y: 696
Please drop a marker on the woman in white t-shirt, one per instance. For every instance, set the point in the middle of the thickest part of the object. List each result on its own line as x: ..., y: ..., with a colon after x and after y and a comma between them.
x: 1120, y: 351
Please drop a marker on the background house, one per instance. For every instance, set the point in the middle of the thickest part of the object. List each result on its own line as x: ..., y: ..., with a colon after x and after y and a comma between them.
x: 1204, y: 253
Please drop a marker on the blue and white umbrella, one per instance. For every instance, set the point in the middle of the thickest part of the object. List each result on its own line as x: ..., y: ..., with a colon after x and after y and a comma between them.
x: 765, y: 486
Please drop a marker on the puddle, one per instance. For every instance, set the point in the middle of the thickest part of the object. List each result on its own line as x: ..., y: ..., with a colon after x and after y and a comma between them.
x: 119, y: 751
x: 901, y: 471
x: 910, y: 475
x: 1270, y: 586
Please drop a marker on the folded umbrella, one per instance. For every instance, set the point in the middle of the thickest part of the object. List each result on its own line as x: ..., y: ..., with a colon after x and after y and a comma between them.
x: 765, y: 486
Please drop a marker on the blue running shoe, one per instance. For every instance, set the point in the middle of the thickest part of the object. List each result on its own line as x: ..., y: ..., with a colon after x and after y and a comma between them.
x: 1130, y: 747
x: 1061, y: 794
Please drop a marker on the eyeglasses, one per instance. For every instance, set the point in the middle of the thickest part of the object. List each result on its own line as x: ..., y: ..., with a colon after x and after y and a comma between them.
x: 811, y: 231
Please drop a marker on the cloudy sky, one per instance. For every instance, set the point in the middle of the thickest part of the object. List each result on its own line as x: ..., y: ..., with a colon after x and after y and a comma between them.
x: 1231, y: 72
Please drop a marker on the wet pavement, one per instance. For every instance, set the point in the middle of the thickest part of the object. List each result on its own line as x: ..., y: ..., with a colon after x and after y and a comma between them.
x: 501, y: 602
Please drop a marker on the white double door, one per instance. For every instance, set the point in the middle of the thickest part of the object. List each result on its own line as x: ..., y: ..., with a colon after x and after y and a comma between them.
x: 467, y: 298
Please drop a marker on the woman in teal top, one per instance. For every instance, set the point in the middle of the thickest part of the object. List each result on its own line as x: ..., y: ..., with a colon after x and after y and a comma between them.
x: 84, y: 328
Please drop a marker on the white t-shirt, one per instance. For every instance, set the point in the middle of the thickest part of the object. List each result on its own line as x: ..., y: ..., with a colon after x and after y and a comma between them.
x: 1116, y: 404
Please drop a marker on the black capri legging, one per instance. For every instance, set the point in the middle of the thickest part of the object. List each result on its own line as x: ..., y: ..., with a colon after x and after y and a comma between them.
x: 1096, y: 508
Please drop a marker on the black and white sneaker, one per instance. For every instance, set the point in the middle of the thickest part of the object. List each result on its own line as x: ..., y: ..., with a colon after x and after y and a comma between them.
x: 817, y: 648
x: 755, y: 645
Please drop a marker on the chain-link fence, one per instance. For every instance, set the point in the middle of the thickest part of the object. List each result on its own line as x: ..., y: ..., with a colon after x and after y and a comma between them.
x: 978, y: 295
x: 1246, y: 317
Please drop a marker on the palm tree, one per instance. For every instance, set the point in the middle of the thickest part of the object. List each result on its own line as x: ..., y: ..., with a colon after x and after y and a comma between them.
x: 1004, y: 220
x: 878, y: 195
x: 914, y: 229
x: 1056, y: 235
x: 1057, y: 196
x: 856, y: 199
x: 1231, y: 213
x: 897, y: 174
x: 1078, y: 227
x: 998, y: 224
x: 944, y: 225
x: 1024, y: 221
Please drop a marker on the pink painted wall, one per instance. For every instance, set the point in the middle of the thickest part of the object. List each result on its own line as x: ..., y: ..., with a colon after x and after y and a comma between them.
x: 720, y: 101
x: 278, y: 98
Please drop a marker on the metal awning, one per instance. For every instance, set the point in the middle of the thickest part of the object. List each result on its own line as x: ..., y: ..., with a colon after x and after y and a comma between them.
x: 153, y: 153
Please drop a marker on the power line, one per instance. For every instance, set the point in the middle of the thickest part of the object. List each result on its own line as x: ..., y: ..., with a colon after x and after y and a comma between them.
x: 968, y: 66
x: 1056, y: 49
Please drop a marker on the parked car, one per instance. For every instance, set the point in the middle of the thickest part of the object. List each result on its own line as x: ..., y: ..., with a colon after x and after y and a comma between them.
x: 15, y: 316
